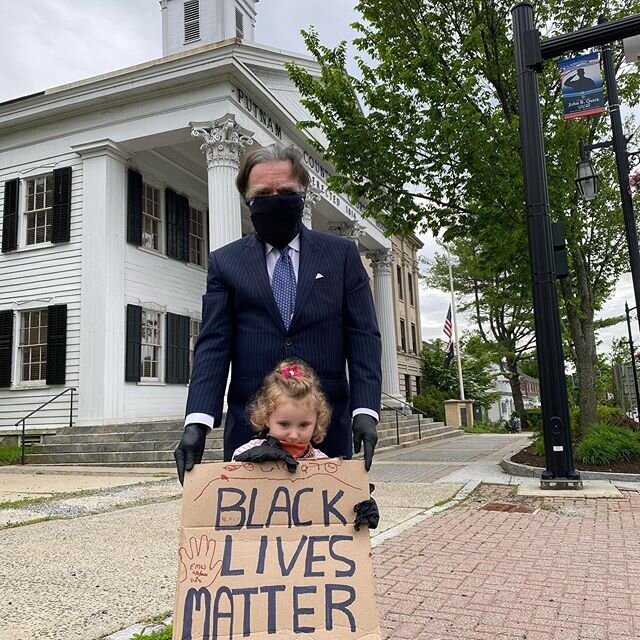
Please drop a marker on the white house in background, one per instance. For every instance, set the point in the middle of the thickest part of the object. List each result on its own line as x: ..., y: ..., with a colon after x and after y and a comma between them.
x: 503, y: 407
x: 113, y: 190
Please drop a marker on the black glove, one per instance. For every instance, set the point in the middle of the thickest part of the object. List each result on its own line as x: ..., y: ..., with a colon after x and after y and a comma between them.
x: 367, y: 512
x: 191, y: 448
x: 364, y: 431
x: 270, y: 450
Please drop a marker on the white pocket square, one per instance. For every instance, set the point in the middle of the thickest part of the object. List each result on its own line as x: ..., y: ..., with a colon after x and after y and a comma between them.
x: 318, y: 276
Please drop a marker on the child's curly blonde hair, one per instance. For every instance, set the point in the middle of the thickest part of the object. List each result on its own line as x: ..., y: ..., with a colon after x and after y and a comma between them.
x: 296, y: 380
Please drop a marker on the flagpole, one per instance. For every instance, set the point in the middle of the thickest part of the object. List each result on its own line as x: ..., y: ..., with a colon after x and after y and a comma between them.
x: 455, y: 327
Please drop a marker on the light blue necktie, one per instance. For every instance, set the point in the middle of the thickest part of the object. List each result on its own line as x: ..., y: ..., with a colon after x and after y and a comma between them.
x: 283, y: 285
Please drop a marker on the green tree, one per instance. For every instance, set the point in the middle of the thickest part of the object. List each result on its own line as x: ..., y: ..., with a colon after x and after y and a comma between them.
x: 441, y: 381
x: 435, y: 143
x: 496, y: 299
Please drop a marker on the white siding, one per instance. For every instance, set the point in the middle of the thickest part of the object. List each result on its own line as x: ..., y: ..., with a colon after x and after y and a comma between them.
x: 154, y: 278
x: 44, y: 276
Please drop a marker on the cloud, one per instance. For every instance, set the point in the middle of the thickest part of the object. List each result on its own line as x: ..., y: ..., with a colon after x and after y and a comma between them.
x: 47, y: 43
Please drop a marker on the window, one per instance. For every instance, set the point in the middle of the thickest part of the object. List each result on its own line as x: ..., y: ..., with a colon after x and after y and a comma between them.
x: 33, y: 345
x: 407, y: 387
x: 39, y: 209
x: 414, y: 342
x: 403, y: 336
x: 150, y: 217
x: 150, y: 344
x: 196, y: 236
x: 239, y: 24
x: 418, y: 388
x: 399, y: 274
x: 191, y: 20
x: 410, y: 288
x: 194, y: 330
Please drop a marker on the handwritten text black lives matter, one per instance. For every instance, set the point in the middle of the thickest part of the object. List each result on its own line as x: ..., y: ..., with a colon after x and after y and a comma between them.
x: 321, y: 562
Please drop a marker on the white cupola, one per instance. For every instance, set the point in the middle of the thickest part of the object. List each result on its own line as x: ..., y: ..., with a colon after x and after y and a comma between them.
x: 188, y: 24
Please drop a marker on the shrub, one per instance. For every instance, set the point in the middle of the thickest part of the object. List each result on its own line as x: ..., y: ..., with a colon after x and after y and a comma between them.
x: 10, y: 454
x: 431, y: 401
x: 604, y: 444
x: 534, y: 418
x: 486, y: 427
x: 537, y: 445
x: 625, y: 422
x: 605, y: 413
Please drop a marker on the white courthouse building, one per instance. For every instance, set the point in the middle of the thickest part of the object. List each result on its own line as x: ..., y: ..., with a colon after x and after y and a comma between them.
x: 113, y: 190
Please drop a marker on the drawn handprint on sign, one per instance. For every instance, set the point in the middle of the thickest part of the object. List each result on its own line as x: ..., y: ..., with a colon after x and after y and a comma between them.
x: 198, y: 564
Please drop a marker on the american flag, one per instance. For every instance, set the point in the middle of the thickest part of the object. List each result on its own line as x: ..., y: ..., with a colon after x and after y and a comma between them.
x: 447, y: 332
x: 447, y: 328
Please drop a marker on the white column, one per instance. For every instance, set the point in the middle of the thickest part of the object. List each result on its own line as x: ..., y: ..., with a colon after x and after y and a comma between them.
x: 223, y: 143
x: 382, y: 261
x: 312, y: 198
x: 102, y: 312
x: 351, y: 230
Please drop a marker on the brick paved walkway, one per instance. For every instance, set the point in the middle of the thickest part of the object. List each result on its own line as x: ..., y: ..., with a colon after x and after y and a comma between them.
x: 569, y: 570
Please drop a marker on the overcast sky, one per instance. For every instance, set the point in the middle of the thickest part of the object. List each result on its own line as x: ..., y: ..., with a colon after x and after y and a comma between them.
x: 45, y: 43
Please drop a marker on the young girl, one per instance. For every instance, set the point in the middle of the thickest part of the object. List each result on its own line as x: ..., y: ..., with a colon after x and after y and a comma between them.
x: 290, y: 412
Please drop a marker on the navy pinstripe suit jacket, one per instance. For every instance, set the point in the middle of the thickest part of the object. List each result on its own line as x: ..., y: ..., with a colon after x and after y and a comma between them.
x: 334, y: 321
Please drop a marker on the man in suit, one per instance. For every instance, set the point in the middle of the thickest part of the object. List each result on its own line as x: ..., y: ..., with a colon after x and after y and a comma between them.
x: 284, y: 292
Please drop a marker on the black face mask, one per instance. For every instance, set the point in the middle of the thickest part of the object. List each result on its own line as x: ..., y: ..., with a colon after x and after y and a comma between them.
x: 277, y: 219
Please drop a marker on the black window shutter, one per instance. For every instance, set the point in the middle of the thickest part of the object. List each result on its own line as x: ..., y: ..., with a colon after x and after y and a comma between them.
x: 61, y: 231
x: 134, y: 207
x: 182, y: 216
x: 10, y: 216
x: 172, y: 222
x: 134, y: 343
x: 57, y: 344
x: 177, y: 369
x: 6, y: 347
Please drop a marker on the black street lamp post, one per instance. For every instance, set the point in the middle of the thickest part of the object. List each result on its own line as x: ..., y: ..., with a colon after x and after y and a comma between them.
x: 530, y: 54
x: 634, y: 369
x: 553, y: 386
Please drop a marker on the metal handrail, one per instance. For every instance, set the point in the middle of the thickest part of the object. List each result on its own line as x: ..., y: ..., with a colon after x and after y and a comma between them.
x: 420, y: 412
x: 408, y: 404
x: 24, y: 420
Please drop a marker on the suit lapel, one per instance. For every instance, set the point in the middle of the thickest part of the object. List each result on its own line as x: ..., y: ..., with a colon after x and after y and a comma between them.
x: 307, y: 271
x: 256, y: 265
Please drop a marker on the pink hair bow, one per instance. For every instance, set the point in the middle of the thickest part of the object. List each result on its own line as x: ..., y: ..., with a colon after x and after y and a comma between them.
x: 292, y: 372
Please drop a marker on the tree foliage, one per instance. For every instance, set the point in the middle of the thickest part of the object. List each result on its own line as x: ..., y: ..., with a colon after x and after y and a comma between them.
x: 427, y: 134
x: 441, y: 381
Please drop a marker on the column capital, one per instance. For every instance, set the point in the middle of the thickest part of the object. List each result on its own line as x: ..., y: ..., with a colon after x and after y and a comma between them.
x: 310, y: 201
x: 223, y: 140
x: 381, y: 261
x: 351, y: 230
x: 104, y: 147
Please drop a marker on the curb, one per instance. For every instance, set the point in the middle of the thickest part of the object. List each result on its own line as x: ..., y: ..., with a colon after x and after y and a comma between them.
x: 140, y: 628
x: 462, y: 494
x: 523, y: 470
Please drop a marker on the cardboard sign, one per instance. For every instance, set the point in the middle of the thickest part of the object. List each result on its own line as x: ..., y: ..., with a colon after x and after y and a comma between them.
x: 264, y: 553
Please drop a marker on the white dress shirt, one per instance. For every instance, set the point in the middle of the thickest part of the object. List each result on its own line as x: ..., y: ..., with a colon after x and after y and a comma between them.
x: 272, y: 254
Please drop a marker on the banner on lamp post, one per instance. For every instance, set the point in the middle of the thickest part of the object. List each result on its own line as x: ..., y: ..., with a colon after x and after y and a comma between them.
x: 581, y: 84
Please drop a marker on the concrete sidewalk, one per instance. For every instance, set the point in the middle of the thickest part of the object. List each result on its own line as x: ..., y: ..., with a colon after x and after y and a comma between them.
x: 557, y: 568
x: 525, y: 567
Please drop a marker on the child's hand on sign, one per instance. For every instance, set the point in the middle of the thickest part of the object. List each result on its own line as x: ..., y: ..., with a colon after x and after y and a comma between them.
x: 199, y: 566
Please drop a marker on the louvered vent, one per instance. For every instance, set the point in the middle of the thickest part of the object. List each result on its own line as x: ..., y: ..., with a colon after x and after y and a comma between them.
x: 239, y: 24
x: 191, y: 20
